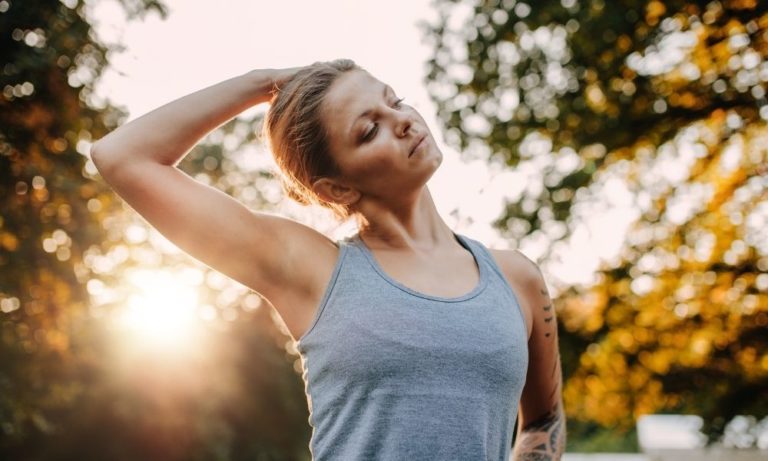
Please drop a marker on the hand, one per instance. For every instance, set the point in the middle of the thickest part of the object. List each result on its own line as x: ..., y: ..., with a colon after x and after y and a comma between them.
x: 280, y: 76
x: 267, y: 82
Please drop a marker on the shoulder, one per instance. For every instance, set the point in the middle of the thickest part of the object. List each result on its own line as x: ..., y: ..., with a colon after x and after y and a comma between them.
x: 526, y: 280
x: 516, y: 265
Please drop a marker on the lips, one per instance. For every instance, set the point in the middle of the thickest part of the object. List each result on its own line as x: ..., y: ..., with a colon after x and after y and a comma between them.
x: 416, y: 144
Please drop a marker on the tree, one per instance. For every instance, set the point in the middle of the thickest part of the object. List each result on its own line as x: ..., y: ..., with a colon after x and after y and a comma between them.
x: 50, y: 214
x: 656, y: 109
x: 68, y: 389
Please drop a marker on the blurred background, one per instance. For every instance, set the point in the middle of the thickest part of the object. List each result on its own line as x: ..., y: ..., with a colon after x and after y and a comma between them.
x: 621, y: 144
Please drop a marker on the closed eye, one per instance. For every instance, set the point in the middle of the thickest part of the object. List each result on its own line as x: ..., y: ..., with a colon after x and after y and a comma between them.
x: 371, y: 133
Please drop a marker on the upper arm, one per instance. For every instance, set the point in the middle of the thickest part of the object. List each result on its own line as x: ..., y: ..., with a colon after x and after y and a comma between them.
x: 250, y: 247
x: 542, y: 391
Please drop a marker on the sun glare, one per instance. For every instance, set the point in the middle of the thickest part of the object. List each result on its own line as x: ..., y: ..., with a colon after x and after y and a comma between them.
x: 162, y: 311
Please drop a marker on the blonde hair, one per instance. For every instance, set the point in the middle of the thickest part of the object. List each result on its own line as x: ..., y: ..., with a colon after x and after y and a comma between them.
x: 296, y: 135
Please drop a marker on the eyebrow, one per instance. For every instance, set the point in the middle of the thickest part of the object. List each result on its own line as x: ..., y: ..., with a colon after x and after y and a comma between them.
x: 367, y: 112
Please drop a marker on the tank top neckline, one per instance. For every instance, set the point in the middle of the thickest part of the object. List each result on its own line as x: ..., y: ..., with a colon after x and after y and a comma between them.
x: 479, y: 287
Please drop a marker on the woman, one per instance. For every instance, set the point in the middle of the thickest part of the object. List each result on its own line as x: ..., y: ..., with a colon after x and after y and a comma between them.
x: 415, y: 341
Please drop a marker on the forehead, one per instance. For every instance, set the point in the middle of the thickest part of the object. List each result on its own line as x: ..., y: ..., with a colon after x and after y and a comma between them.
x: 349, y: 96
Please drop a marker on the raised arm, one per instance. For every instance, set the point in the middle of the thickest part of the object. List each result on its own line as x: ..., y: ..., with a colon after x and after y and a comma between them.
x: 541, y: 436
x: 262, y: 251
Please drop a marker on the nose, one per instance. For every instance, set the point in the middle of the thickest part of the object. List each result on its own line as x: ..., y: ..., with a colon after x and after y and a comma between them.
x: 402, y: 123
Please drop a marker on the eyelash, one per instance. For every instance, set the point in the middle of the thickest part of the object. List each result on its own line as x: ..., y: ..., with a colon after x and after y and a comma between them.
x: 370, y: 133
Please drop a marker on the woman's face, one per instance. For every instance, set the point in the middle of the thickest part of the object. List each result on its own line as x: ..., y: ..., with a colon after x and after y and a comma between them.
x: 382, y: 146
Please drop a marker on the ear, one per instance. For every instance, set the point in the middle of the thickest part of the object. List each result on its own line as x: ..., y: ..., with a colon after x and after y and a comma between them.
x: 331, y: 190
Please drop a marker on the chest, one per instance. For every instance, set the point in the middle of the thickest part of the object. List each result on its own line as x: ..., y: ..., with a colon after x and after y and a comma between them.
x: 445, y: 275
x: 385, y: 338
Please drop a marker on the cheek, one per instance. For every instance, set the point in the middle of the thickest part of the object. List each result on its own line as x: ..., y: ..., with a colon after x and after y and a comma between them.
x: 371, y: 168
x: 386, y: 153
x: 377, y: 159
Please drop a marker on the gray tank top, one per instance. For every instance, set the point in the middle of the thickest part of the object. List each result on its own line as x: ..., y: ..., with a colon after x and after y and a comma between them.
x: 394, y: 374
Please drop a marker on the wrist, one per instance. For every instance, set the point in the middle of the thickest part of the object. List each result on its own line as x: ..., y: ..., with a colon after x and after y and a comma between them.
x: 262, y: 82
x: 272, y: 80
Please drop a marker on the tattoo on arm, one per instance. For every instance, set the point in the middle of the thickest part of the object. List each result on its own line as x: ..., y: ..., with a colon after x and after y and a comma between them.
x: 548, y: 311
x: 548, y: 320
x: 543, y: 439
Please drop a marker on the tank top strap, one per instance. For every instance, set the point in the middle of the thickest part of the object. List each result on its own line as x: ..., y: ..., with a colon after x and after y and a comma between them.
x: 500, y: 278
x: 484, y: 254
x: 344, y: 248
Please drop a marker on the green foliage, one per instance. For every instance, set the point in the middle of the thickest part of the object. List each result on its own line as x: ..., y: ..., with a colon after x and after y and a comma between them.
x: 74, y: 384
x: 656, y: 109
x: 589, y: 438
x: 49, y: 211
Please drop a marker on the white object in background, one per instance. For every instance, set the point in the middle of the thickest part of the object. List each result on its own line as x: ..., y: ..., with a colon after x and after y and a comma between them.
x: 670, y: 432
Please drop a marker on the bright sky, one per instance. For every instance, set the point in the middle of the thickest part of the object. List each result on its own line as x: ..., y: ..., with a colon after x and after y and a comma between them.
x: 199, y: 45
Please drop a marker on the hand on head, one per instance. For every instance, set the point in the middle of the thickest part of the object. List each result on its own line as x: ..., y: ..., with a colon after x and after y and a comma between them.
x: 280, y: 77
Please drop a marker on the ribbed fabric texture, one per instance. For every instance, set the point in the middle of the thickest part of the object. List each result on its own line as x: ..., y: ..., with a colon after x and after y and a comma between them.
x: 394, y: 374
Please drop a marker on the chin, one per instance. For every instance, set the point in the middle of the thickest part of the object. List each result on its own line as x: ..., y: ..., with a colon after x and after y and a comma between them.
x: 438, y: 159
x: 434, y: 164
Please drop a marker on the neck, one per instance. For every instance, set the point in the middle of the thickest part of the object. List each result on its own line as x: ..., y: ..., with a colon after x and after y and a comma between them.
x: 416, y: 224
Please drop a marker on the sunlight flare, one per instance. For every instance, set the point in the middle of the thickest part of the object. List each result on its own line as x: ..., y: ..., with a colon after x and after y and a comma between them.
x: 162, y: 311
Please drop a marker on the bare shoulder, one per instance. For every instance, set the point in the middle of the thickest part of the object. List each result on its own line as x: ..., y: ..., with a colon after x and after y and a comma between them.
x: 517, y: 265
x: 526, y: 280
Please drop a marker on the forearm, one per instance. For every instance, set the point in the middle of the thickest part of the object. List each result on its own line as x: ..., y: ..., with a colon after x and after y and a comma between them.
x: 543, y: 439
x: 167, y: 133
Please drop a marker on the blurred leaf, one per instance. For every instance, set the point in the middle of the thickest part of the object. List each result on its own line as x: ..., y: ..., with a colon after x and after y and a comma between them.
x: 69, y: 387
x: 656, y: 109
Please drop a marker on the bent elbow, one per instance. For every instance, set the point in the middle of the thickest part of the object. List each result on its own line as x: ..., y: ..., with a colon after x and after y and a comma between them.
x: 97, y: 156
x: 103, y: 159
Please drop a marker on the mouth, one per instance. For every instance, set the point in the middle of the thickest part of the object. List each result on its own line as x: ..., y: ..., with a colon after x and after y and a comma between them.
x: 416, y: 145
